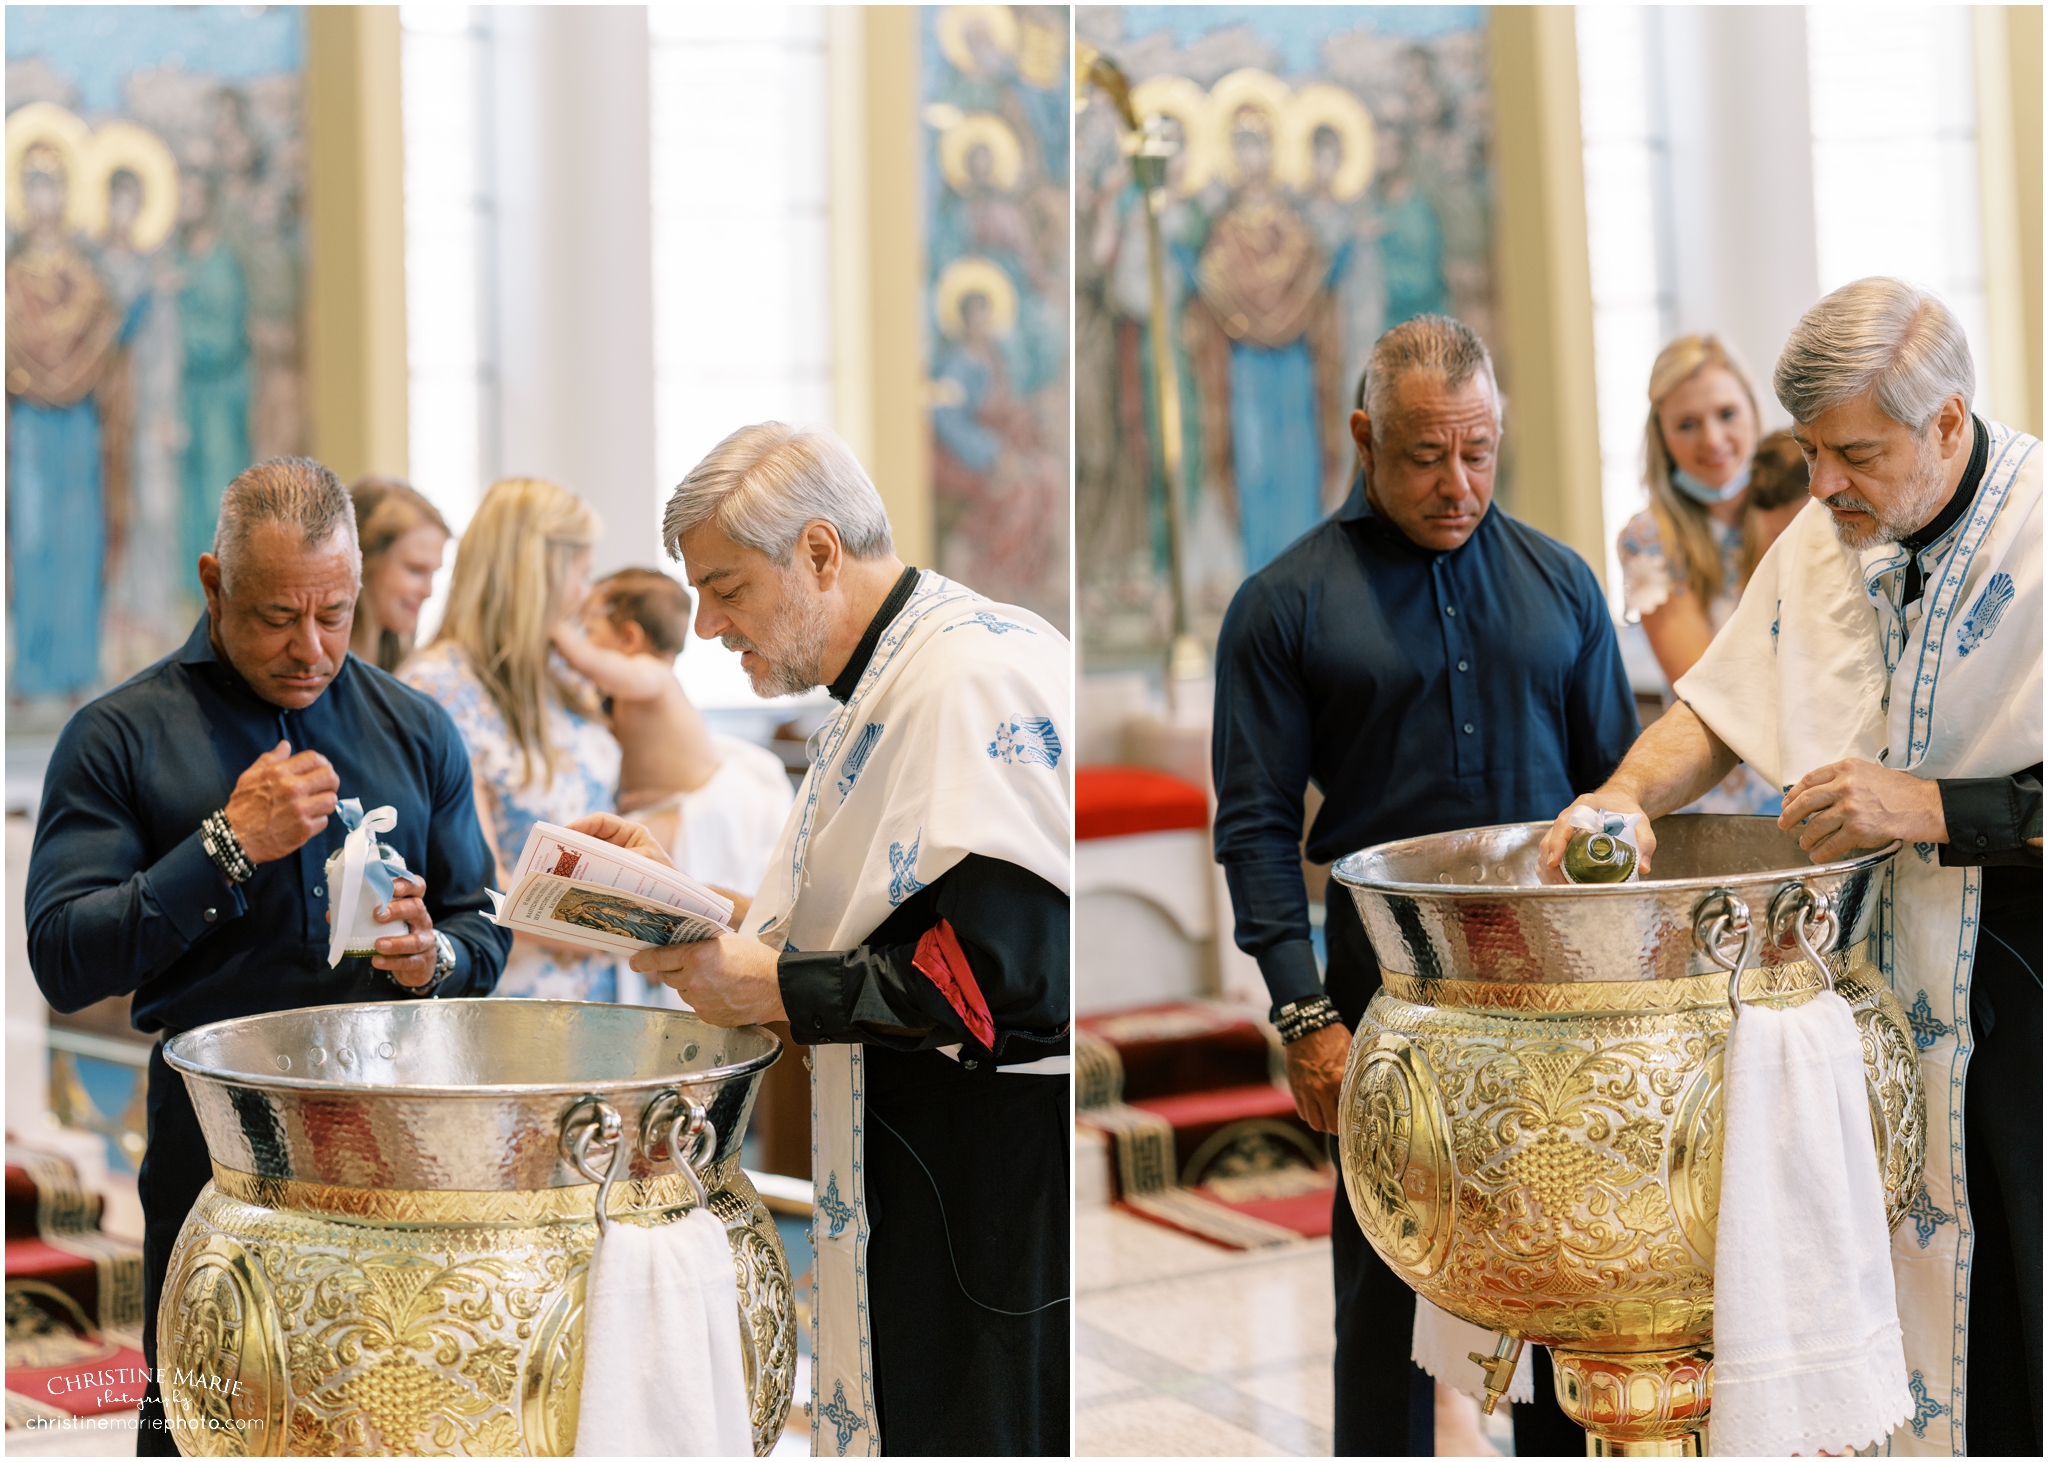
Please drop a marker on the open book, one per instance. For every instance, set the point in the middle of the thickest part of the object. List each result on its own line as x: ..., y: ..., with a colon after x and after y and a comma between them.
x: 576, y: 889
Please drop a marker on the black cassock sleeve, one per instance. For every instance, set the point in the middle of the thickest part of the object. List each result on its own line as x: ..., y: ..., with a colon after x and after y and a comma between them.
x: 1990, y: 819
x: 1012, y: 926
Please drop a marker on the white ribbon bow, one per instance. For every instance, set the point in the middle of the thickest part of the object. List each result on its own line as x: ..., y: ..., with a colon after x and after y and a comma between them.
x: 358, y: 856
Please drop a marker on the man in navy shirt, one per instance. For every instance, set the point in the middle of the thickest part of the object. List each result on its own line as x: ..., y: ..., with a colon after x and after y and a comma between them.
x: 186, y: 822
x: 1429, y: 664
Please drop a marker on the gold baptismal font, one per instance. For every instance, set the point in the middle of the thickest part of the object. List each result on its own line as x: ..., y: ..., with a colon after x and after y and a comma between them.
x: 391, y: 1257
x: 1531, y: 1114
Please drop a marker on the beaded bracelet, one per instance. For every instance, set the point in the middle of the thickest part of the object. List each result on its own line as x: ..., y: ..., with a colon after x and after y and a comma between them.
x: 225, y: 848
x: 1299, y: 1018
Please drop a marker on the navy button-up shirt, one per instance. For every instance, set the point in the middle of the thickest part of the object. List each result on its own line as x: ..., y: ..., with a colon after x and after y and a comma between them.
x: 122, y: 897
x: 1420, y: 691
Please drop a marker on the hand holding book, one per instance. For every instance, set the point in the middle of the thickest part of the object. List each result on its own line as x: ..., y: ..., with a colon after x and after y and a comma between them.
x: 571, y: 888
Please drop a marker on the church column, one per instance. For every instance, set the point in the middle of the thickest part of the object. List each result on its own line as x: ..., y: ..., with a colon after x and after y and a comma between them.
x: 1552, y: 438
x: 878, y: 371
x: 574, y: 312
x: 1744, y: 260
x: 355, y: 279
x: 2008, y: 56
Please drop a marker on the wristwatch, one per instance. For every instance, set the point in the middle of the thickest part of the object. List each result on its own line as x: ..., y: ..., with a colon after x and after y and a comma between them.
x: 444, y: 961
x: 444, y: 966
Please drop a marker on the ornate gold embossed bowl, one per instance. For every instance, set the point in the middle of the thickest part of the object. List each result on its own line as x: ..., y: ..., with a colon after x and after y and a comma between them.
x: 1531, y: 1113
x: 391, y: 1256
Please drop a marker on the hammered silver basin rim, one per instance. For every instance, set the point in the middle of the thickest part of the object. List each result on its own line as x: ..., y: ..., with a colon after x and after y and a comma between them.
x: 1346, y: 870
x: 1520, y: 930
x: 272, y: 1081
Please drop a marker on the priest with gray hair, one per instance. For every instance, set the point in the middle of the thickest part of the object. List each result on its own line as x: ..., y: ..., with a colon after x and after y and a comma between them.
x: 913, y: 931
x: 1884, y: 667
x: 187, y: 817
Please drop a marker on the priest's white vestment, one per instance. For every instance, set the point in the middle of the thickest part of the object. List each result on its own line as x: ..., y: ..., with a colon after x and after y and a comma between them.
x: 1821, y: 663
x: 953, y: 742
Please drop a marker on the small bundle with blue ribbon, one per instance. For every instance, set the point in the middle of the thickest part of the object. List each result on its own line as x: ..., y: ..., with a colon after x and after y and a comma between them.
x: 362, y: 864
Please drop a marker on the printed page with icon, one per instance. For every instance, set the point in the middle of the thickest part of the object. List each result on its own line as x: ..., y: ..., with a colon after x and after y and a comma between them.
x: 576, y: 889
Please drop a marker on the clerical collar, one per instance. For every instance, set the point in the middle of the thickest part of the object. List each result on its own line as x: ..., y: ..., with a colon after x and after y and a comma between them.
x: 1959, y: 503
x: 842, y: 689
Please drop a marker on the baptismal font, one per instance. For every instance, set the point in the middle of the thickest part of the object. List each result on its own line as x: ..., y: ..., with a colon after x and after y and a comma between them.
x: 1531, y: 1114
x: 392, y: 1255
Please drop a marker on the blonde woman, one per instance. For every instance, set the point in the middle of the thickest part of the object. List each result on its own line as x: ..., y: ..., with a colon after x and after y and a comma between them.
x: 1685, y: 561
x: 403, y: 537
x: 537, y: 742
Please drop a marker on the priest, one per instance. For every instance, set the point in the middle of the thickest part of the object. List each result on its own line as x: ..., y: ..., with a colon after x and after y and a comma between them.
x: 1884, y: 668
x: 912, y: 929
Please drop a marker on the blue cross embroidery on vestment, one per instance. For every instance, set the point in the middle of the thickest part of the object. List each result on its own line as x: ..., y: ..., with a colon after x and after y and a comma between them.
x: 1926, y: 1029
x: 903, y: 870
x: 846, y: 1421
x: 1926, y: 1217
x: 836, y: 1209
x: 857, y: 759
x: 1026, y: 739
x: 1925, y: 850
x: 1925, y: 1407
x: 1774, y: 627
x: 1985, y: 613
x: 994, y: 624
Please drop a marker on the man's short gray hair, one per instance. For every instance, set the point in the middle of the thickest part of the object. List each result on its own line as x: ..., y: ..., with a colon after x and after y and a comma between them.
x: 763, y: 483
x: 1435, y: 343
x: 1876, y: 335
x: 296, y: 492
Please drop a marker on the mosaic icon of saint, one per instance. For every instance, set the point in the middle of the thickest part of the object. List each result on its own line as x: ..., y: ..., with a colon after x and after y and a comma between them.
x: 62, y: 329
x: 1267, y: 353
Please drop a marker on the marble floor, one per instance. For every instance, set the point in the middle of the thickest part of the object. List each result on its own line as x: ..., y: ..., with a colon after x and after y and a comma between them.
x: 113, y: 1435
x: 1182, y: 1348
x: 1185, y: 1349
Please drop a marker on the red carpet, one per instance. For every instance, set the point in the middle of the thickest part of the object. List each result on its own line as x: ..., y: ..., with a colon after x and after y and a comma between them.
x: 1307, y: 1212
x: 1203, y: 1138
x: 1117, y: 802
x: 74, y: 1298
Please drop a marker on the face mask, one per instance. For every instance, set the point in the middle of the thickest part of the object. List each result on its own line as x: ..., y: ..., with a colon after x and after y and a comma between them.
x: 1699, y: 492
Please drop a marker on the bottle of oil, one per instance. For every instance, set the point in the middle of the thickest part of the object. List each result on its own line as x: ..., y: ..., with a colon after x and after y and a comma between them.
x: 1599, y: 857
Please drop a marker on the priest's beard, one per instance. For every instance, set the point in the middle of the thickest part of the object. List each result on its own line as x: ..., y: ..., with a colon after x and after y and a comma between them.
x: 1914, y: 508
x: 792, y: 647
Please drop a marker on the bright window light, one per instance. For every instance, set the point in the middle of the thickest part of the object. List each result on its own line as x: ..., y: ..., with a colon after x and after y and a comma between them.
x: 741, y: 283
x: 1633, y: 309
x: 1893, y: 95
x: 447, y: 218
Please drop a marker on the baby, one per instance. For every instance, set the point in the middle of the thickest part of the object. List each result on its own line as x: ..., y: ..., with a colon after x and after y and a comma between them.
x: 633, y: 627
x: 1777, y: 491
x: 716, y: 803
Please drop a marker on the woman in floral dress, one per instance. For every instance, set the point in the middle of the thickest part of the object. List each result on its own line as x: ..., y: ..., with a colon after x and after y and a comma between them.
x: 1684, y: 562
x: 538, y: 745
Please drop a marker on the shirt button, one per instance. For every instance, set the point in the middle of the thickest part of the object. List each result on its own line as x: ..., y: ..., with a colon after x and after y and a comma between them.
x: 1468, y: 728
x: 320, y: 891
x: 1451, y: 609
x: 1982, y: 841
x: 1461, y: 664
x: 211, y: 915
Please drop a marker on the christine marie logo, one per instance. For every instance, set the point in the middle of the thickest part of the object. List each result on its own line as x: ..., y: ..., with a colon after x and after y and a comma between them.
x: 119, y: 1384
